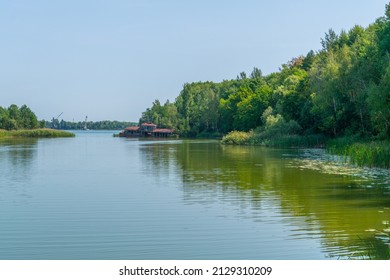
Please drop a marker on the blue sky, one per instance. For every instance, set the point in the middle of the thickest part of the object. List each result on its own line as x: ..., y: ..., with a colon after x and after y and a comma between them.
x: 111, y: 59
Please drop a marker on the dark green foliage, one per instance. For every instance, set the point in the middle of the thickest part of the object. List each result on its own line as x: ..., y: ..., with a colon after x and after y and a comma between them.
x: 277, y: 141
x: 379, y: 105
x: 341, y: 90
x: 165, y: 116
x: 99, y: 125
x: 14, y: 118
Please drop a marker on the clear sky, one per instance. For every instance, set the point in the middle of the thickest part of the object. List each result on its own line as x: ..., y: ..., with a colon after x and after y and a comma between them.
x: 110, y: 59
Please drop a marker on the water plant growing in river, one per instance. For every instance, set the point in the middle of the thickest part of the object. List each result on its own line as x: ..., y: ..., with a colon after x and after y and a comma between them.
x: 370, y: 154
x: 280, y: 141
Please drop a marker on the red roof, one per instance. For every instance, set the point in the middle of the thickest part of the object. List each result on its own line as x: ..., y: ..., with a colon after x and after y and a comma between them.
x: 132, y: 128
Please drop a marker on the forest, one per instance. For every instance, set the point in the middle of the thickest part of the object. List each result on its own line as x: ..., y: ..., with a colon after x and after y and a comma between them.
x: 93, y: 125
x: 341, y: 90
x: 14, y: 118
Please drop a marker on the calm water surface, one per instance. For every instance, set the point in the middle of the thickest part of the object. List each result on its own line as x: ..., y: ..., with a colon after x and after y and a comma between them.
x: 100, y: 197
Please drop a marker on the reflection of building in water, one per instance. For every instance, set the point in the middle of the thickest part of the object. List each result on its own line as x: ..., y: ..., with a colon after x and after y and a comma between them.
x: 146, y: 129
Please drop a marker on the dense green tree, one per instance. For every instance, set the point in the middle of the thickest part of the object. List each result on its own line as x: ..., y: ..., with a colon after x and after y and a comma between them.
x: 164, y: 116
x: 379, y: 103
x: 14, y: 118
x: 98, y: 125
x: 256, y: 73
x: 4, y: 118
x: 342, y: 89
x: 28, y: 119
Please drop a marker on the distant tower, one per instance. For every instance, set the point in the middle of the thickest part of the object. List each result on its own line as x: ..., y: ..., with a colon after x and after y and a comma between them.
x: 85, y: 123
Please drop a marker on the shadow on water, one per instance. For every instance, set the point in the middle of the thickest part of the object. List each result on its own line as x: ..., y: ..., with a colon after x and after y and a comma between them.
x: 16, y: 158
x: 345, y: 211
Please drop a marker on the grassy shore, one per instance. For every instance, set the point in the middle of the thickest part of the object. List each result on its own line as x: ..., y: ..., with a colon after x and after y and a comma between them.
x: 354, y: 150
x: 277, y: 141
x: 35, y: 133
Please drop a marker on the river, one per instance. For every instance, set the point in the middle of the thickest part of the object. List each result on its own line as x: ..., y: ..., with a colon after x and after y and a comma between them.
x: 100, y: 197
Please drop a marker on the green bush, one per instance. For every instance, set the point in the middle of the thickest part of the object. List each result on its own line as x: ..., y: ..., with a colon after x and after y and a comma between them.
x: 237, y: 138
x: 295, y: 141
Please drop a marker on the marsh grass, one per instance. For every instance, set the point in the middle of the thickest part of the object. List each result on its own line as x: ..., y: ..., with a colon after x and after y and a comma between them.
x: 295, y: 141
x: 209, y: 135
x: 36, y: 133
x: 277, y: 141
x: 366, y: 153
x: 353, y: 150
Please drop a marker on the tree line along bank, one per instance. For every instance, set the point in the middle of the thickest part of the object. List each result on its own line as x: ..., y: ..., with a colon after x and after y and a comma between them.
x: 341, y: 91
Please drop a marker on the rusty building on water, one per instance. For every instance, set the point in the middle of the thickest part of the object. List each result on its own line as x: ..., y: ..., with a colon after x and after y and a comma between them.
x: 146, y: 130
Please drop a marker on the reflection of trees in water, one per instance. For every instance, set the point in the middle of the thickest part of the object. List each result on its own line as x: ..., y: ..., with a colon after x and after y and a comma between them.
x: 343, y: 208
x: 376, y: 247
x: 159, y: 158
x: 19, y: 151
x: 16, y: 158
x: 198, y: 165
x: 339, y: 210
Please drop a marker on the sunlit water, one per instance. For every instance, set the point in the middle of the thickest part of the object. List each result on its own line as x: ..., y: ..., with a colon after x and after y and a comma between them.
x: 100, y: 197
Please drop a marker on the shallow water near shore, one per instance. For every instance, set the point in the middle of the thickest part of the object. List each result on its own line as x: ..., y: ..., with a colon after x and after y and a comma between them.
x: 99, y: 197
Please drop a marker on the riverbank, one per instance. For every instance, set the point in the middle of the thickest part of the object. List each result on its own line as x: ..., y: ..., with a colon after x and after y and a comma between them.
x: 355, y: 151
x: 274, y: 141
x: 35, y: 133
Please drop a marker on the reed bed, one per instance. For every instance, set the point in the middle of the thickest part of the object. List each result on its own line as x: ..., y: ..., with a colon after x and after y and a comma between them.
x: 367, y: 153
x: 276, y: 141
x: 36, y: 133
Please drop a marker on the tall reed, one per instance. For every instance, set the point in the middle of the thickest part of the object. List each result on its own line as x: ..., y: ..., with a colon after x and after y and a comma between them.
x: 36, y: 133
x: 277, y: 141
x: 370, y: 154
